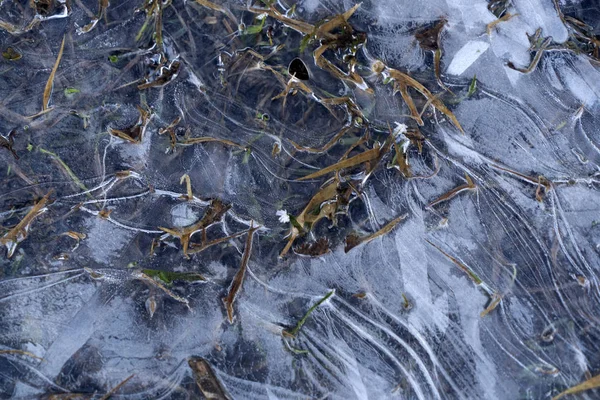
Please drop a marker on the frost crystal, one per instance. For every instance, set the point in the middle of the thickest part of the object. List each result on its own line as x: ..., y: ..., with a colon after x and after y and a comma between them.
x: 284, y: 217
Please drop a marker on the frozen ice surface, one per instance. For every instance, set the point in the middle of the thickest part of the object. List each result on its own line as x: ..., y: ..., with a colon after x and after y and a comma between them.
x: 472, y: 269
x: 466, y: 56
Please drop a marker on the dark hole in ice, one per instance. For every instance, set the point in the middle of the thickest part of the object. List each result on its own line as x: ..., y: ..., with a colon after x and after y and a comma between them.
x: 298, y: 69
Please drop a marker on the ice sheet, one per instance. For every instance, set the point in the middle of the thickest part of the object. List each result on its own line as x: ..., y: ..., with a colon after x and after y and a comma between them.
x: 474, y: 266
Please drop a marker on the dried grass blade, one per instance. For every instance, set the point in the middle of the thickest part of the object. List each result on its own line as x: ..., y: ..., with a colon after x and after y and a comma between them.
x: 50, y: 83
x: 402, y: 161
x: 318, y: 54
x: 327, y: 146
x: 347, y: 163
x: 143, y: 277
x: 293, y: 236
x: 536, y: 58
x: 326, y: 193
x: 207, y: 139
x: 238, y: 279
x: 158, y: 25
x: 185, y: 178
x: 351, y: 11
x: 403, y: 89
x: 437, y: 58
x: 437, y: 103
x: 496, y: 299
x: 19, y: 233
x: 116, y: 388
x: 7, y: 26
x: 460, y: 265
x: 205, y: 245
x: 386, y: 229
x: 300, y: 26
x: 592, y: 383
x: 216, y: 7
x: 452, y: 193
x: 529, y: 179
x: 336, y: 21
x: 69, y: 172
x: 8, y: 143
x: 352, y: 77
x: 21, y: 352
x: 213, y: 214
x: 504, y: 18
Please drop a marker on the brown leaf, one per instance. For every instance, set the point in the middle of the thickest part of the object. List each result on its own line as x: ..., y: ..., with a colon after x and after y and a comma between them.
x: 352, y: 240
x: 402, y: 161
x: 336, y: 21
x: 437, y: 103
x: 8, y: 142
x: 199, y: 247
x: 207, y: 380
x: 429, y: 38
x: 313, y: 249
x: 135, y: 133
x: 213, y: 214
x: 164, y: 75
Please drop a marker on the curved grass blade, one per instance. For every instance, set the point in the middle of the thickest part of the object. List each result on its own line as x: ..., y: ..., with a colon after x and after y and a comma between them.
x: 292, y: 333
x: 352, y: 240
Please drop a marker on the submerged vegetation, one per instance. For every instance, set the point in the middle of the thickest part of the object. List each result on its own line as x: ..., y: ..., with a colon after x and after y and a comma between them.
x: 164, y: 160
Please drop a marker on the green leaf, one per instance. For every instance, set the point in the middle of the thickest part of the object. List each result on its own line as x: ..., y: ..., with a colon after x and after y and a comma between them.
x: 472, y: 86
x: 113, y: 59
x: 560, y: 126
x: 295, y: 223
x: 262, y: 117
x: 169, y: 277
x: 305, y: 42
x: 246, y: 156
x: 255, y: 29
x: 11, y: 54
x: 69, y: 91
